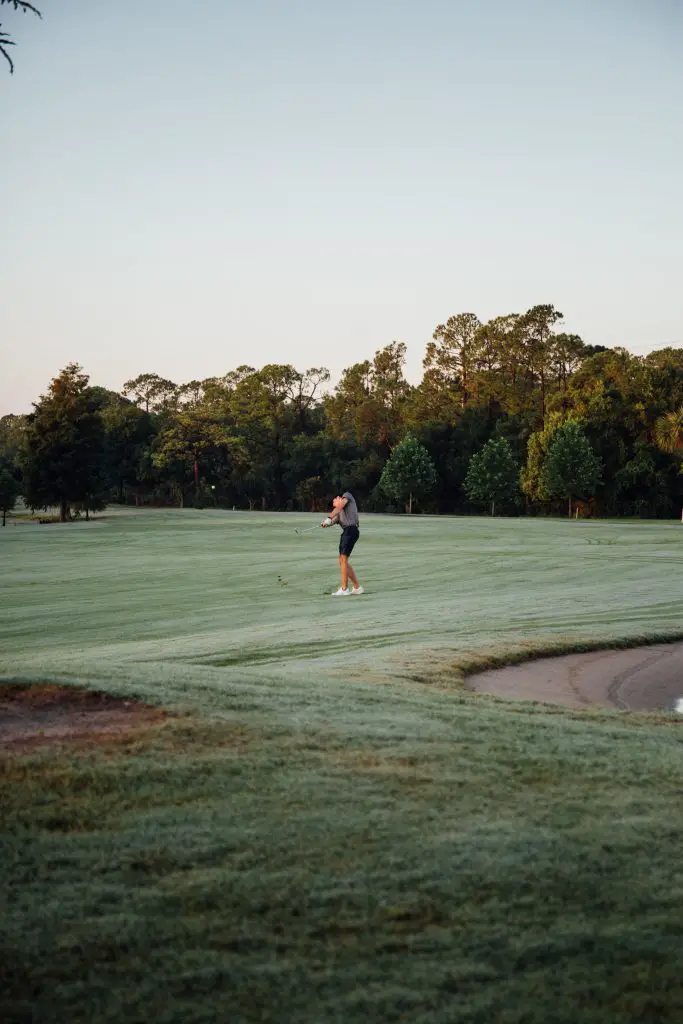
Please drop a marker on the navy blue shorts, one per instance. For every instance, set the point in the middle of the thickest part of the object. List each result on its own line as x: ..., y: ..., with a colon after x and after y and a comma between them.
x: 350, y: 535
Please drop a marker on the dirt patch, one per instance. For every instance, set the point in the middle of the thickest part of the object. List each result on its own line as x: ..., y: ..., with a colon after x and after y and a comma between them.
x: 44, y: 716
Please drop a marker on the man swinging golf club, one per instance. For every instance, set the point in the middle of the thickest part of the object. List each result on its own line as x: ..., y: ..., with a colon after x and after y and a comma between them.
x: 346, y: 514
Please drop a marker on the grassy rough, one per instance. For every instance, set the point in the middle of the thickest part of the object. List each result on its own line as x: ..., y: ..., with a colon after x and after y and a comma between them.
x: 306, y: 845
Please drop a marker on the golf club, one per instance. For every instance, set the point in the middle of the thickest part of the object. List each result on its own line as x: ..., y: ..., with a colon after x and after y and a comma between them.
x: 310, y: 529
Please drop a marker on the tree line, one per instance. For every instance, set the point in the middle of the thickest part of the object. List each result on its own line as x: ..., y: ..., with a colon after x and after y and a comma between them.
x: 511, y: 416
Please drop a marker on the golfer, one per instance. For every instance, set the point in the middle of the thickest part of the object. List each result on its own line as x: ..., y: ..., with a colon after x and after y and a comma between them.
x: 345, y: 512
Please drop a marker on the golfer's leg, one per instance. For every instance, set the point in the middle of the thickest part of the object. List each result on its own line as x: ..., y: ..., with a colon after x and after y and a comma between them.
x: 344, y: 563
x: 352, y: 575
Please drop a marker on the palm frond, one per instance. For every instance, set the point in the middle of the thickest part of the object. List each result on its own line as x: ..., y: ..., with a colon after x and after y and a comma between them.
x: 6, y: 41
x: 21, y: 5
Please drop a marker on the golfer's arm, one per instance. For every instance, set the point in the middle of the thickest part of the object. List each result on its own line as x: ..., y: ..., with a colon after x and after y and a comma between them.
x: 334, y: 516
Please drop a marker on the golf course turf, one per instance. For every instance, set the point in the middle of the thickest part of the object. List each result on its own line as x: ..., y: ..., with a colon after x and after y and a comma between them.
x: 325, y: 825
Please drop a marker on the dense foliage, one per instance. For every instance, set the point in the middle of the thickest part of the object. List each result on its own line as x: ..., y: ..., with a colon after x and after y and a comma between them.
x: 590, y: 430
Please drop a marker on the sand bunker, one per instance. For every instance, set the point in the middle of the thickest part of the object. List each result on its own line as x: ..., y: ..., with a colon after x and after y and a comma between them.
x: 39, y: 716
x: 640, y: 679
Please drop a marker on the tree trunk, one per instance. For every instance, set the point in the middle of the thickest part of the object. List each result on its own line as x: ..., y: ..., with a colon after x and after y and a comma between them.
x: 4, y: 516
x: 410, y: 504
x: 87, y: 517
x: 64, y: 512
x: 570, y: 506
x: 493, y: 507
x: 196, y: 480
x: 542, y: 376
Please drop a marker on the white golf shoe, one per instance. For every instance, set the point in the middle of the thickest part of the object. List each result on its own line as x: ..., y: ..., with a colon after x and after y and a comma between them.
x: 341, y: 592
x: 357, y: 590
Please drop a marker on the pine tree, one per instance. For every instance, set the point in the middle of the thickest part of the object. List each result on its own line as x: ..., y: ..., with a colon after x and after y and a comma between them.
x: 409, y: 474
x: 571, y: 469
x: 64, y: 460
x: 493, y: 474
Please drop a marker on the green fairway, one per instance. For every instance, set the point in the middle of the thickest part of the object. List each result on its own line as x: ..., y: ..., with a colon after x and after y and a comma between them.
x: 332, y: 829
x: 220, y: 609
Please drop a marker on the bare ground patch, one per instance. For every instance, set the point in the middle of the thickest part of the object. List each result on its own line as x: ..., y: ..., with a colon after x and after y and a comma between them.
x: 48, y: 715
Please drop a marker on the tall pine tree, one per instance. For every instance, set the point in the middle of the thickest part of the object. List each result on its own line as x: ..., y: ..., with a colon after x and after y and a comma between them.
x: 64, y: 458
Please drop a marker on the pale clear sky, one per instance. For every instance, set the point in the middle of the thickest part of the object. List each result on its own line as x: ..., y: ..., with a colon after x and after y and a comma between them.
x: 190, y: 186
